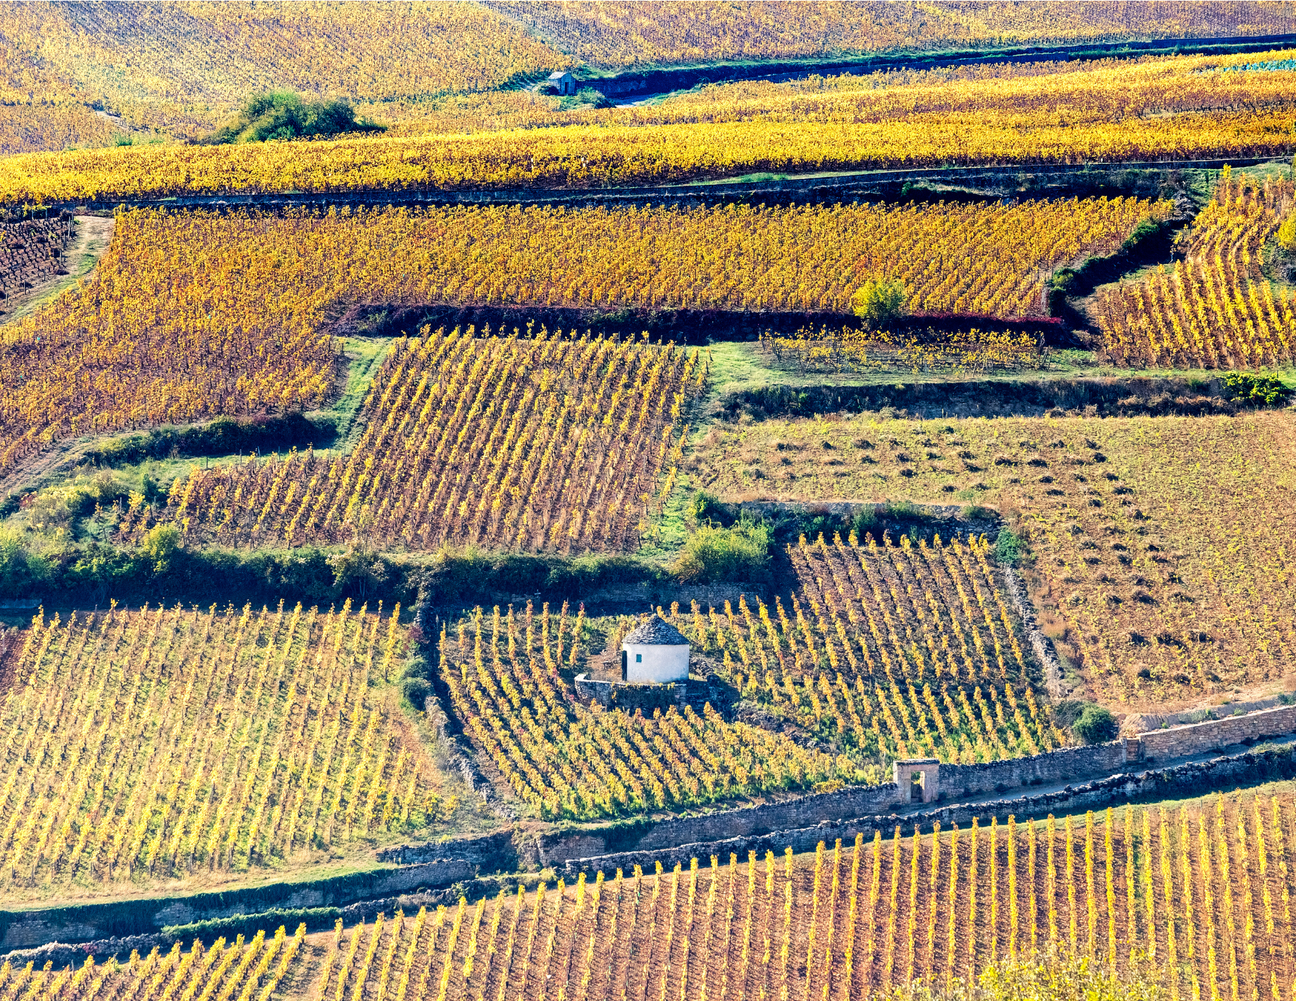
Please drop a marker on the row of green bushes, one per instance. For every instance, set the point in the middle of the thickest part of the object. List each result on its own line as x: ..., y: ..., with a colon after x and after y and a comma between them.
x: 160, y: 569
x: 223, y: 436
x: 315, y: 919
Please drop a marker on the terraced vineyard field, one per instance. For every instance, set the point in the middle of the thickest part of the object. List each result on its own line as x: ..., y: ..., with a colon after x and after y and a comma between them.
x: 198, y: 314
x: 1159, y: 541
x: 1198, y: 894
x: 1215, y: 308
x: 566, y: 759
x: 584, y: 156
x: 649, y: 34
x: 579, y: 435
x: 889, y: 651
x: 31, y: 251
x: 195, y: 742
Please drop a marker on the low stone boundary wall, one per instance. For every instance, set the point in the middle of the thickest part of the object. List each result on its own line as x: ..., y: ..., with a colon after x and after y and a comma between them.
x: 1193, y: 738
x: 115, y: 919
x: 558, y: 847
x: 489, y: 852
x: 954, y: 782
x: 1192, y: 779
x: 627, y: 696
x: 1050, y: 768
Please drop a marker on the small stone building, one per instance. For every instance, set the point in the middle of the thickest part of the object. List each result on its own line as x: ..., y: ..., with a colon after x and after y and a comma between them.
x: 655, y: 653
x: 563, y: 83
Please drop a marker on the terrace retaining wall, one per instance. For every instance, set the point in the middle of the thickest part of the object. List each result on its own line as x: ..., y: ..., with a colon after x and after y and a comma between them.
x: 956, y: 781
x: 1191, y: 779
x: 87, y: 922
x: 1193, y: 738
x: 1051, y: 768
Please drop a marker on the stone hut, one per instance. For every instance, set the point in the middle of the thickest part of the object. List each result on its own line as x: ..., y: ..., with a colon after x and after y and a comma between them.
x: 654, y: 653
x: 563, y: 83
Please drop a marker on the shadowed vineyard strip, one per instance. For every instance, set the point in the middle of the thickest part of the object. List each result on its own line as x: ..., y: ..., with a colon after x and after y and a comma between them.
x: 1202, y: 893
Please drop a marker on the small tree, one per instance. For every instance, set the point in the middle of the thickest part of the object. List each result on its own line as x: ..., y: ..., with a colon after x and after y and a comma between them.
x: 879, y: 301
x: 284, y: 115
x: 1095, y: 725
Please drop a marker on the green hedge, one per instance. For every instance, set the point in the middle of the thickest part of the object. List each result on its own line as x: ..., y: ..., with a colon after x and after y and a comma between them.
x: 314, y: 918
x: 158, y: 570
x: 223, y: 436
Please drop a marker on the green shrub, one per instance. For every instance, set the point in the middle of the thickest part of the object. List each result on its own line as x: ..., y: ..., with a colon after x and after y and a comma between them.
x: 415, y: 691
x: 1145, y: 229
x: 879, y: 301
x: 250, y: 924
x: 56, y: 508
x: 20, y: 568
x: 1009, y: 547
x: 1259, y: 390
x: 1096, y: 725
x: 284, y: 115
x: 740, y: 553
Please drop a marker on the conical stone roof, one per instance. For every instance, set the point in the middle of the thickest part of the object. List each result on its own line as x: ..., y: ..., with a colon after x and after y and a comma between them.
x: 656, y: 632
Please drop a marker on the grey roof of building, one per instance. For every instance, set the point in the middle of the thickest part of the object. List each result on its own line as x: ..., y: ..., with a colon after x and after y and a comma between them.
x: 656, y: 632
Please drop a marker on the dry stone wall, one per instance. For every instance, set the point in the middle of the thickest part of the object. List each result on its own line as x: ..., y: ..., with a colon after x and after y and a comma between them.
x: 1191, y: 779
x: 1194, y: 738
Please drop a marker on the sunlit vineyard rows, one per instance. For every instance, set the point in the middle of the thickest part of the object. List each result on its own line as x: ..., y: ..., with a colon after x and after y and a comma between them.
x: 595, y: 156
x: 887, y: 651
x: 166, y: 332
x: 565, y: 759
x: 543, y: 443
x: 1215, y: 308
x: 954, y: 352
x: 1201, y: 894
x: 1160, y: 593
x: 633, y: 34
x: 196, y: 314
x: 153, y: 65
x: 34, y: 128
x: 1028, y: 94
x: 238, y: 969
x: 147, y: 745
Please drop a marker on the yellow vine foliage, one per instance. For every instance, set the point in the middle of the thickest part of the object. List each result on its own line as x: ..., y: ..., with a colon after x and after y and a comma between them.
x: 29, y: 129
x: 185, y: 66
x: 197, y: 314
x: 596, y: 156
x: 566, y: 760
x: 667, y: 31
x: 1161, y: 542
x: 930, y: 350
x: 1093, y: 92
x: 895, y: 651
x: 193, y: 741
x: 545, y: 443
x: 1141, y: 903
x: 169, y: 330
x: 1214, y: 308
x: 224, y: 969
